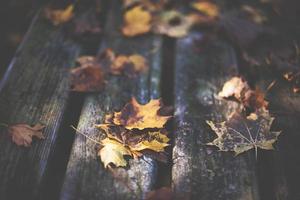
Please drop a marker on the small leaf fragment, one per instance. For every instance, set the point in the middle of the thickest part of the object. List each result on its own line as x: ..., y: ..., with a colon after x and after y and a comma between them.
x: 22, y: 133
x: 208, y: 8
x: 59, y: 16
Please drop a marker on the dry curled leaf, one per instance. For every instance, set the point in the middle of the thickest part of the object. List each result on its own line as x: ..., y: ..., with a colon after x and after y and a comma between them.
x: 22, y: 133
x: 174, y: 23
x: 135, y: 115
x: 113, y: 152
x: 208, y: 8
x: 238, y: 89
x: 137, y: 21
x: 88, y: 77
x: 59, y: 16
x: 240, y: 134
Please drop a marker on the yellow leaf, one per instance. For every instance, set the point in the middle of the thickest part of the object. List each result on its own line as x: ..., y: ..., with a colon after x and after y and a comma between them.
x: 135, y: 115
x: 152, y: 145
x: 137, y: 21
x: 60, y: 16
x: 113, y: 152
x: 207, y: 8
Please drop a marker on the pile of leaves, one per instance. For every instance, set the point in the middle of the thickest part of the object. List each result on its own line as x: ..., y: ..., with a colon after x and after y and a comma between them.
x: 134, y: 131
x: 242, y: 130
x: 90, y: 75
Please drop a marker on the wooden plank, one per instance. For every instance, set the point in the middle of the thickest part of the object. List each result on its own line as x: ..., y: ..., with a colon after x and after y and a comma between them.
x: 86, y: 177
x: 34, y: 89
x: 200, y: 171
x: 278, y: 169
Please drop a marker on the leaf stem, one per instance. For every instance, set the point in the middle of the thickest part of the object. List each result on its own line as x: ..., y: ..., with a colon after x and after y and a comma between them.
x: 88, y: 137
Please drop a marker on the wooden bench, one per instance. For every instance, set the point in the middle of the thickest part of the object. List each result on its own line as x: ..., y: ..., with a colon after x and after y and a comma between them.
x: 186, y: 73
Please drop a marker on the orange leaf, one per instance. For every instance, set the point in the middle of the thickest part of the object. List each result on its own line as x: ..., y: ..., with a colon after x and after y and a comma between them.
x: 135, y: 115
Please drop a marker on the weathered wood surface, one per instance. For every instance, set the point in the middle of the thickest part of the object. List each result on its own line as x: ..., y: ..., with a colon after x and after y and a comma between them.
x: 86, y: 177
x: 34, y: 89
x: 199, y: 171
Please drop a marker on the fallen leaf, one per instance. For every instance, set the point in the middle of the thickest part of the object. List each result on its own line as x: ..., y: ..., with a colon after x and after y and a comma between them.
x: 137, y: 21
x: 240, y: 134
x: 88, y: 77
x: 164, y: 193
x: 135, y: 115
x: 207, y: 8
x: 129, y: 65
x: 174, y: 24
x: 255, y: 15
x: 238, y: 89
x: 59, y: 16
x: 113, y: 152
x: 22, y: 133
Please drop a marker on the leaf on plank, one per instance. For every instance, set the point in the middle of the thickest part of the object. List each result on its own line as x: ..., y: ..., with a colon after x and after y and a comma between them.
x: 238, y: 89
x: 22, y: 134
x: 113, y: 152
x: 135, y: 115
x: 148, y: 140
x: 137, y: 21
x: 59, y: 16
x: 240, y: 133
x: 129, y: 65
x: 88, y: 77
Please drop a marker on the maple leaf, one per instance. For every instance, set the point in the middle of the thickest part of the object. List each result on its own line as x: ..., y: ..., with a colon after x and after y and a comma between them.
x: 113, y: 152
x: 22, y: 133
x: 137, y: 21
x: 240, y: 134
x: 164, y: 193
x: 135, y: 115
x: 59, y: 16
x: 88, y: 77
x: 207, y: 8
x: 130, y: 65
x: 174, y: 24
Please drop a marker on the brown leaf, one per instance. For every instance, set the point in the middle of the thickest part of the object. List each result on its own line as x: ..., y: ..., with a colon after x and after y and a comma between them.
x: 137, y: 21
x: 164, y: 193
x: 88, y: 77
x: 22, y: 133
x: 59, y: 16
x: 129, y: 65
x: 238, y: 89
x: 135, y: 115
x: 240, y: 134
